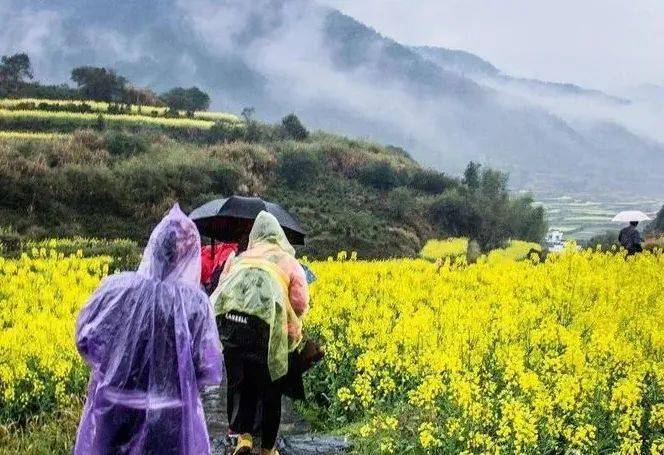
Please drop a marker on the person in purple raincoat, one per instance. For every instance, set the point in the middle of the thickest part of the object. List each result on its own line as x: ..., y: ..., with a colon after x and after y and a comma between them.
x: 152, y: 344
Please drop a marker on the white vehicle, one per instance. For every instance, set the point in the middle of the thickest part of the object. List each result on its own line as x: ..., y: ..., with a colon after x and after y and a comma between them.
x: 555, y: 240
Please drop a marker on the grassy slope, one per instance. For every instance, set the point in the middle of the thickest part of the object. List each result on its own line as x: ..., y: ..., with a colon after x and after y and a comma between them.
x: 118, y: 185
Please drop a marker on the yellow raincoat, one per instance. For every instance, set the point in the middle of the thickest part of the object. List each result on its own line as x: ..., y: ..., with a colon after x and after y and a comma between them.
x: 267, y: 282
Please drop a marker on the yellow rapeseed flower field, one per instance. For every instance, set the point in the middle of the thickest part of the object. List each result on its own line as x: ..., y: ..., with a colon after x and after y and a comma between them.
x: 102, y: 107
x: 40, y: 296
x: 565, y: 356
x: 503, y: 356
x: 89, y: 119
x: 453, y: 247
x: 456, y: 247
x: 11, y: 135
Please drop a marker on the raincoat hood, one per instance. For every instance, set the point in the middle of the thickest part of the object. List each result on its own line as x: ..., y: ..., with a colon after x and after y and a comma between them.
x: 173, y: 251
x: 267, y: 231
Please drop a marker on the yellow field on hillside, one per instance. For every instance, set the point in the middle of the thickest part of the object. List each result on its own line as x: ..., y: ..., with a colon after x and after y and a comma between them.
x: 102, y: 107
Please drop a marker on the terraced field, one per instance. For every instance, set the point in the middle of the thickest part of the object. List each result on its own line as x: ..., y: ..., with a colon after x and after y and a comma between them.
x: 581, y: 218
x: 36, y: 118
x: 103, y: 107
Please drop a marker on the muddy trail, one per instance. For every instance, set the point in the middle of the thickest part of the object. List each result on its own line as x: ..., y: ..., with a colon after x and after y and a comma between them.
x: 295, y: 437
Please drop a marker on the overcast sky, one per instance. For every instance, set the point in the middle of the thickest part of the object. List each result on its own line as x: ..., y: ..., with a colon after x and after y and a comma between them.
x: 597, y: 43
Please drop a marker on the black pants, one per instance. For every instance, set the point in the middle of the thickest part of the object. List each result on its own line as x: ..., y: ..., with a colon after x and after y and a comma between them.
x: 253, y: 400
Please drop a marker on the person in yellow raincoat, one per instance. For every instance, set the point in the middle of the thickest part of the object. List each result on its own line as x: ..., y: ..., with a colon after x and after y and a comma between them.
x: 259, y: 304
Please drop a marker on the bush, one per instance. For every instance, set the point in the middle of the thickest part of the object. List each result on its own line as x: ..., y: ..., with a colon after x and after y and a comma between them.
x: 293, y: 128
x: 121, y: 143
x: 224, y: 132
x: 185, y: 99
x: 399, y: 151
x: 53, y: 433
x: 298, y: 168
x: 453, y: 215
x: 225, y: 178
x: 402, y: 204
x: 431, y: 181
x: 381, y: 175
x: 52, y: 92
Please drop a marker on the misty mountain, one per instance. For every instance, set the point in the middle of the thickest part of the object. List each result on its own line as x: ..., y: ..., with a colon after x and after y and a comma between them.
x: 446, y: 107
x: 461, y: 62
x: 649, y: 93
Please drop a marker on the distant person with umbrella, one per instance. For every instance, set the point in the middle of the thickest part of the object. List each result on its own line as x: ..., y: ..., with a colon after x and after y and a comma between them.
x: 629, y: 237
x: 259, y: 305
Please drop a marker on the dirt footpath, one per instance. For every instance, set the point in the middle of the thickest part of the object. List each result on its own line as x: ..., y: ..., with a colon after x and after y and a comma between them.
x: 295, y: 437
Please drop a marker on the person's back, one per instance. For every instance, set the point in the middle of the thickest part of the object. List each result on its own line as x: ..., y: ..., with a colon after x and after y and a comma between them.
x: 630, y: 238
x: 259, y: 305
x: 151, y: 342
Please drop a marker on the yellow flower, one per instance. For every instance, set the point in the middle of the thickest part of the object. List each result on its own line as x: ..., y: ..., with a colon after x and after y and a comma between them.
x: 40, y: 296
x: 427, y: 437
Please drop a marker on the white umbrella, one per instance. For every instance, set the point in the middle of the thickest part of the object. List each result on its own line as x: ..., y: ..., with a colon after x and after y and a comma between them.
x: 630, y: 215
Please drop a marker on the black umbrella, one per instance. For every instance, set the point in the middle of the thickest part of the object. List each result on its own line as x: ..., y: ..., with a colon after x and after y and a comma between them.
x: 227, y: 219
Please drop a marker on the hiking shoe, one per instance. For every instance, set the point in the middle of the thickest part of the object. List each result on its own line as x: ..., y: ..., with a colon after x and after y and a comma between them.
x: 244, y: 444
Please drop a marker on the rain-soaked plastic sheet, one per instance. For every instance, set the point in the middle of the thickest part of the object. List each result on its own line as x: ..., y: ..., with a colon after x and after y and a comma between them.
x: 151, y: 342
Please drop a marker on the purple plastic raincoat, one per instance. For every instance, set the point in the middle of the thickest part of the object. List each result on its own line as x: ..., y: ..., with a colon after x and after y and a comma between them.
x: 151, y: 342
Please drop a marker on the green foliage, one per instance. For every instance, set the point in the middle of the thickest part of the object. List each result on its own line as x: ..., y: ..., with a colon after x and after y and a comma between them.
x: 348, y: 193
x: 86, y: 191
x: 402, y: 204
x: 293, y: 128
x: 10, y: 240
x: 252, y: 131
x: 100, y: 84
x: 398, y: 151
x: 140, y: 96
x: 52, y: 107
x: 380, y: 175
x: 39, y: 91
x: 431, y: 181
x: 123, y: 143
x: 454, y: 214
x: 225, y: 132
x: 484, y: 211
x: 298, y: 169
x: 186, y: 99
x: 67, y: 122
x: 14, y: 69
x: 471, y: 176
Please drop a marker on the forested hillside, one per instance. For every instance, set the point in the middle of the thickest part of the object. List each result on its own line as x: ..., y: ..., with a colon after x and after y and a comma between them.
x: 348, y: 194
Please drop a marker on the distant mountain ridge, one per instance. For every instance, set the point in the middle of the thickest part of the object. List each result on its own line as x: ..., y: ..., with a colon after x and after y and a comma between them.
x: 446, y: 107
x: 457, y: 60
x: 471, y: 65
